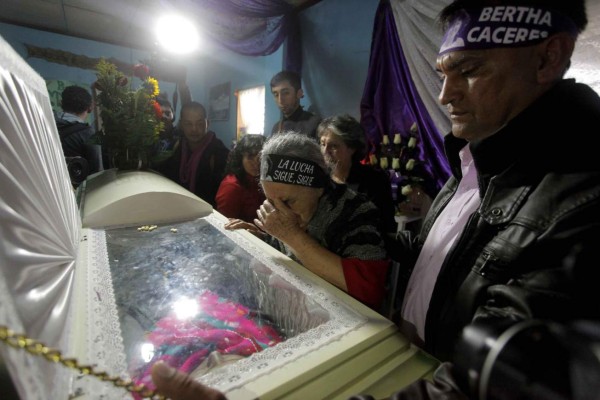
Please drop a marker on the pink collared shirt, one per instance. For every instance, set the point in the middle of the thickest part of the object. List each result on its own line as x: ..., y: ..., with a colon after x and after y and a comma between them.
x: 446, y: 229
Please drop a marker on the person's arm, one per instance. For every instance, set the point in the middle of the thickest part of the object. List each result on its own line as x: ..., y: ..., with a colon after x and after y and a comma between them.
x: 283, y: 224
x: 235, y: 224
x: 365, y: 280
x: 362, y: 279
x: 179, y: 386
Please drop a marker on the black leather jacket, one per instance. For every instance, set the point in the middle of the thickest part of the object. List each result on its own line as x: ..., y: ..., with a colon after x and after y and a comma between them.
x: 539, y: 182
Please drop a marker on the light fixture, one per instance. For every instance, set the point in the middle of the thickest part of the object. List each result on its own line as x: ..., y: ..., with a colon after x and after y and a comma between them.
x: 177, y: 34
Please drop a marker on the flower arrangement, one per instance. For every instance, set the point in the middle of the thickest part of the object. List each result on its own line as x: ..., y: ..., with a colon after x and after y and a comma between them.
x: 399, y: 158
x: 130, y: 119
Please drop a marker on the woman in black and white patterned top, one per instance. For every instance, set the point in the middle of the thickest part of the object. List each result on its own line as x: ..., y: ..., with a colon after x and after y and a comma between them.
x: 327, y: 227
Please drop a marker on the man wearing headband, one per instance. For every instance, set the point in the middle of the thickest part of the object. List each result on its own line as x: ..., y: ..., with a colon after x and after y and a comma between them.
x: 329, y: 229
x: 500, y: 242
x: 517, y: 164
x: 525, y: 184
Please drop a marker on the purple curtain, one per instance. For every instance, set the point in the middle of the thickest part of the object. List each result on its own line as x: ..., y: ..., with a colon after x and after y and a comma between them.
x: 254, y: 27
x: 391, y: 103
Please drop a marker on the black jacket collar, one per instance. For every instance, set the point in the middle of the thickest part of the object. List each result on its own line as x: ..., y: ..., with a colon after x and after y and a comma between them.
x: 554, y: 133
x: 296, y: 115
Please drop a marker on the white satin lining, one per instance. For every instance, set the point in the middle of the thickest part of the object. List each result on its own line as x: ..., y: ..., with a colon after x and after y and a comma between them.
x: 39, y: 223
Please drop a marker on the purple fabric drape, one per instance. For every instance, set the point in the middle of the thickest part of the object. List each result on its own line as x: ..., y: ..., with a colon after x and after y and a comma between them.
x: 254, y: 27
x: 391, y: 103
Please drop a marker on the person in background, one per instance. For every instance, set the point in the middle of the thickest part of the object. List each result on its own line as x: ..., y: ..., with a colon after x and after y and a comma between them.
x: 328, y: 228
x: 286, y: 87
x: 198, y: 164
x: 524, y: 190
x: 168, y: 136
x: 75, y: 133
x: 239, y: 195
x: 344, y: 146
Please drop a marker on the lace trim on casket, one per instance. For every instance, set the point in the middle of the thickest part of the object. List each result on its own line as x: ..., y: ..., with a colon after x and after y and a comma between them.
x: 342, y: 320
x: 105, y: 339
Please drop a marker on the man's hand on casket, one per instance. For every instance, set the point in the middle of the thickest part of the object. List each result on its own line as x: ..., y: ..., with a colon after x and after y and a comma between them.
x: 179, y: 386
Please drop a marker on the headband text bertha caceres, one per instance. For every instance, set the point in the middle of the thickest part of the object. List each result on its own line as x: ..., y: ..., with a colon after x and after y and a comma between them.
x: 503, y: 26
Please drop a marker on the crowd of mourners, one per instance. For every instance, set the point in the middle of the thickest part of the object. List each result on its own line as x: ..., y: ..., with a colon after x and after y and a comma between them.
x: 505, y: 240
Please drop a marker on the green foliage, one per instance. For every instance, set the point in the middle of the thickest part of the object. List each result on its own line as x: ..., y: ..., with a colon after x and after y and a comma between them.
x: 131, y: 119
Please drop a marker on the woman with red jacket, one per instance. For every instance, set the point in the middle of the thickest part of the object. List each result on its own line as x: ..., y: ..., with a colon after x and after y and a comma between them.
x: 239, y: 195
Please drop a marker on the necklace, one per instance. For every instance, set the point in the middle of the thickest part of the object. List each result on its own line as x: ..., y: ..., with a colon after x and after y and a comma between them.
x: 32, y: 346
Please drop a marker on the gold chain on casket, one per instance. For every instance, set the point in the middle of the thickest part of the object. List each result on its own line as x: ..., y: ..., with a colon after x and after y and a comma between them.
x: 34, y: 347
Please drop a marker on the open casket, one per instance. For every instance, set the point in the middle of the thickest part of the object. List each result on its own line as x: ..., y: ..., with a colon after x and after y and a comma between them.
x: 133, y: 269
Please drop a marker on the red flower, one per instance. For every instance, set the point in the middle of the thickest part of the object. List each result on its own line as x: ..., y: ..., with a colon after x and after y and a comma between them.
x: 141, y: 71
x: 157, y: 110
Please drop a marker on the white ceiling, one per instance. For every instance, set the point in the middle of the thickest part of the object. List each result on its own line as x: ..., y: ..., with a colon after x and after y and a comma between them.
x: 123, y: 22
x: 130, y: 23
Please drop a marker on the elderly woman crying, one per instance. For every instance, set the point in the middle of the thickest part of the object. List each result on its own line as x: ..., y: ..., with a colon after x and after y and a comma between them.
x: 325, y: 226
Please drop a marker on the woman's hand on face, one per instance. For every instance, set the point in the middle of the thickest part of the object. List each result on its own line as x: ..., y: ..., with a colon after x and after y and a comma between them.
x: 277, y: 219
x: 235, y: 224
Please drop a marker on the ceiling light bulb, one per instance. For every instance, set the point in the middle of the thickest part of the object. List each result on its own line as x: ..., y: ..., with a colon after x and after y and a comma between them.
x: 177, y: 34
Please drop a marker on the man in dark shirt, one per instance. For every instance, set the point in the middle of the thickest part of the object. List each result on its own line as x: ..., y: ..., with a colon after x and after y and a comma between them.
x: 198, y: 162
x: 75, y: 133
x: 287, y: 91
